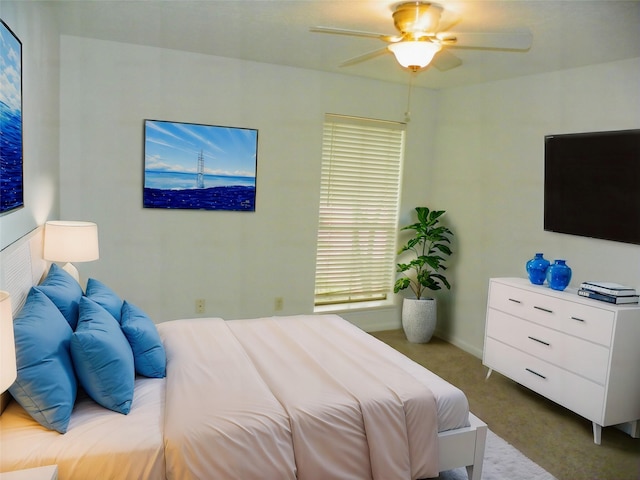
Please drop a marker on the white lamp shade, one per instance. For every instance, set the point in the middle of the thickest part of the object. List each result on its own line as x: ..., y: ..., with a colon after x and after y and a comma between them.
x: 414, y: 54
x: 7, y: 343
x: 66, y: 241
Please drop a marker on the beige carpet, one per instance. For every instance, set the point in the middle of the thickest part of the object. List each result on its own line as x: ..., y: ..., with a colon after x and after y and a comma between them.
x: 555, y: 438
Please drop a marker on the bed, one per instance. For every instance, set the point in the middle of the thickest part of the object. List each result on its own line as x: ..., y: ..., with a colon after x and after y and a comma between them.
x: 306, y: 396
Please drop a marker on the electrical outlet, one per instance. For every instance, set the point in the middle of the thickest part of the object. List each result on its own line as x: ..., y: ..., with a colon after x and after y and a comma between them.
x: 278, y: 304
x: 200, y: 305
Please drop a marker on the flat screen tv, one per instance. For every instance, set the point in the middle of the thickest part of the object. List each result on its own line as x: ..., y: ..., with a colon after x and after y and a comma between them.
x: 592, y: 185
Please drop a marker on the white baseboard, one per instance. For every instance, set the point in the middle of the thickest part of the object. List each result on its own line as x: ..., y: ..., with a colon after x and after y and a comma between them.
x: 461, y: 344
x: 375, y: 320
x: 372, y: 325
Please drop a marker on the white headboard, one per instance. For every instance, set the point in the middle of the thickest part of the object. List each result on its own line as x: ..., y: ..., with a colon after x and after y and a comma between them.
x: 22, y: 266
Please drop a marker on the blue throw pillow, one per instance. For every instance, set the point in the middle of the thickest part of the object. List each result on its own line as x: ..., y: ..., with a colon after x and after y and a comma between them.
x: 149, y: 356
x: 102, y: 358
x: 105, y: 297
x: 46, y: 385
x: 64, y: 291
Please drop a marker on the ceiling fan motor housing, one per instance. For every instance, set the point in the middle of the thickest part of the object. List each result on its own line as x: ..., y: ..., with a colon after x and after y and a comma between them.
x: 417, y: 19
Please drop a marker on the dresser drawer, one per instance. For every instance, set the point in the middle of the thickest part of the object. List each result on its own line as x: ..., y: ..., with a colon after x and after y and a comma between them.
x: 580, y: 395
x: 542, y: 307
x: 506, y: 298
x: 588, y: 322
x: 571, y: 353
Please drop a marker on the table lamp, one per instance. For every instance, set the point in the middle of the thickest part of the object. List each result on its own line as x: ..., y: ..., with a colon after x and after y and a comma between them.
x: 70, y: 241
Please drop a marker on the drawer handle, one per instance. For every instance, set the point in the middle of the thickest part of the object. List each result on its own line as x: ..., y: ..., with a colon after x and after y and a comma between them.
x: 540, y: 341
x: 577, y: 319
x: 514, y: 300
x: 536, y: 373
x: 543, y: 309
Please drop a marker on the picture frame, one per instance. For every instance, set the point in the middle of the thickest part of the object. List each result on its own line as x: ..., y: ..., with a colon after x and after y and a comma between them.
x: 199, y: 167
x: 11, y: 123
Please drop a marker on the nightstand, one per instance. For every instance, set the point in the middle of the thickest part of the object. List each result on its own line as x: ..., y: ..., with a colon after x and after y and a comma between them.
x: 50, y: 472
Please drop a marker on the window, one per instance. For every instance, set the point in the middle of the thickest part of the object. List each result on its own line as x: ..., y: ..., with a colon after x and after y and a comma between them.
x: 359, y: 198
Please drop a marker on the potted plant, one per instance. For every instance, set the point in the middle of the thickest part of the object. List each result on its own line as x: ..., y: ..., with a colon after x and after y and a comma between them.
x: 430, y: 246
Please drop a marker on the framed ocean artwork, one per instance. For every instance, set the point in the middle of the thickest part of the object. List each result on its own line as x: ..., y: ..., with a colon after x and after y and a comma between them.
x: 199, y: 167
x: 11, y: 171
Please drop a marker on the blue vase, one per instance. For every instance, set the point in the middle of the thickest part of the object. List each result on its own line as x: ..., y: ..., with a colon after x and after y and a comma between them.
x: 559, y: 275
x: 537, y: 269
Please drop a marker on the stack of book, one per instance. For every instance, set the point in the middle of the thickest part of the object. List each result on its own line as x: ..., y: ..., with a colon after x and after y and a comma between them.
x: 608, y: 292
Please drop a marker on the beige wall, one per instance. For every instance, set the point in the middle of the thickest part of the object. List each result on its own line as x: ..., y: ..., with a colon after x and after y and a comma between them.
x: 34, y: 26
x: 488, y: 173
x: 474, y: 151
x: 163, y: 260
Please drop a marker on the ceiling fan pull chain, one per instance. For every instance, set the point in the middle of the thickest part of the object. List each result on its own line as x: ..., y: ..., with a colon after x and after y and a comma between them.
x: 407, y: 113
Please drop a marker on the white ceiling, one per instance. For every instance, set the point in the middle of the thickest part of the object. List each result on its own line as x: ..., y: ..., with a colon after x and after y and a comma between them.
x: 566, y: 34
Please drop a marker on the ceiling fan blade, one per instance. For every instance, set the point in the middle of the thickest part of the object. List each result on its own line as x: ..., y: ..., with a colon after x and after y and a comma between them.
x: 356, y: 33
x: 445, y: 60
x: 364, y: 57
x: 487, y: 40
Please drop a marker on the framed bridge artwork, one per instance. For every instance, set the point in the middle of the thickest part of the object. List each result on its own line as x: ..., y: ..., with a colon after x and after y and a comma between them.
x: 11, y: 171
x: 199, y: 167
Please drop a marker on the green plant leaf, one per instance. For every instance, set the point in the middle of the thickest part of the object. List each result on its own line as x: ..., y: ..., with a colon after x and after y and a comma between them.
x: 442, y: 279
x: 402, y: 267
x: 429, y: 244
x: 401, y: 284
x: 423, y: 214
x: 434, y: 261
x: 443, y: 248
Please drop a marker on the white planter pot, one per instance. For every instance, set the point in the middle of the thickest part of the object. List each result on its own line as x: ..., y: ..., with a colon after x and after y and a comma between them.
x: 419, y: 319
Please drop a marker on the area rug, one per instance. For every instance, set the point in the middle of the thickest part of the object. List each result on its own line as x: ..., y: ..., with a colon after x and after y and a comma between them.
x: 502, y: 462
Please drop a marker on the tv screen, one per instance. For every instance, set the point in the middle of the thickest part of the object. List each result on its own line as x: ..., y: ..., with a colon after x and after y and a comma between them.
x: 592, y: 185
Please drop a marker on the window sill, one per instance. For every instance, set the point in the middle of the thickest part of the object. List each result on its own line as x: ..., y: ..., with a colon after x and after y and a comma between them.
x: 355, y: 306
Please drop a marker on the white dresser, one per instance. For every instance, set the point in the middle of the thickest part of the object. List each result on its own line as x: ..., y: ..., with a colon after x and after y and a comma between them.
x: 583, y: 354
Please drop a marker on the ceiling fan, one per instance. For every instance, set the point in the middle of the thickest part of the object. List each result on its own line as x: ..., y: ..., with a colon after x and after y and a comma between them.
x: 422, y: 36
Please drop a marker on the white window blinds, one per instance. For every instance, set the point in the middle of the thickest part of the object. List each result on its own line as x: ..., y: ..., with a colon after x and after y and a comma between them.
x: 359, y: 197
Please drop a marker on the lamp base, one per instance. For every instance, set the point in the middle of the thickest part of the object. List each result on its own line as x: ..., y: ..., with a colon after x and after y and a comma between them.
x: 72, y: 270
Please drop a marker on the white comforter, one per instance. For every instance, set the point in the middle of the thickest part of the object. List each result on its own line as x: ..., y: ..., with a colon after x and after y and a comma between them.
x: 275, y: 399
x: 308, y: 397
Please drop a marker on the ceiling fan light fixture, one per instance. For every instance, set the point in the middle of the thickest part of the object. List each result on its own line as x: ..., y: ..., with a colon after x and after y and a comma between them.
x: 414, y: 54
